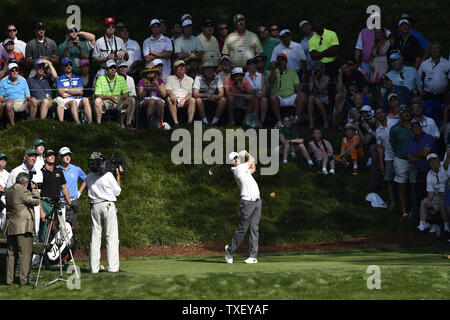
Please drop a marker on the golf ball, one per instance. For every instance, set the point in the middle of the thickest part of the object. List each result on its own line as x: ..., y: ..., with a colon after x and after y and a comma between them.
x: 272, y: 194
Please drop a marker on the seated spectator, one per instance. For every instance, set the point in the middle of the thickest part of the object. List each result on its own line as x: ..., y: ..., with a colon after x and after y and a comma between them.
x: 8, y: 44
x: 158, y: 47
x: 111, y: 92
x: 70, y: 91
x: 286, y: 88
x: 187, y: 44
x: 239, y: 93
x: 324, y: 46
x: 322, y: 152
x: 108, y: 47
x: 431, y: 108
x: 258, y: 83
x: 435, y: 72
x: 403, y: 75
x: 366, y: 130
x: 211, y: 54
x: 129, y: 104
x: 268, y: 43
x: 88, y: 79
x: 351, y: 148
x: 41, y: 47
x: 11, y: 33
x: 14, y: 93
x: 152, y: 92
x: 428, y: 124
x: 179, y: 93
x: 74, y: 49
x: 408, y: 45
x: 291, y: 142
x: 402, y: 93
x: 192, y: 66
x: 318, y: 94
x: 134, y: 53
x: 158, y: 64
x: 434, y: 202
x: 261, y: 61
x: 224, y: 69
x: 40, y: 86
x: 355, y: 105
x: 378, y: 61
x: 209, y: 93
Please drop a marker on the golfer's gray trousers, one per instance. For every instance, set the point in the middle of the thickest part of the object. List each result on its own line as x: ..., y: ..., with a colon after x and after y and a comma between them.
x: 250, y: 215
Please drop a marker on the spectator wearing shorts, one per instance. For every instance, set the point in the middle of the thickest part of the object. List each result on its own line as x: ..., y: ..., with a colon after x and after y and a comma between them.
x: 291, y: 142
x: 14, y: 93
x: 286, y: 88
x: 70, y: 90
x: 351, y: 148
x: 322, y: 152
x: 152, y: 92
x: 318, y: 93
x: 111, y: 92
x: 130, y: 103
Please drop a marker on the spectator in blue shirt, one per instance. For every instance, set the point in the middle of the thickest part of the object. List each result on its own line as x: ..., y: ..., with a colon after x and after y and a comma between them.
x: 403, y: 75
x: 14, y: 93
x: 418, y: 148
x: 402, y: 93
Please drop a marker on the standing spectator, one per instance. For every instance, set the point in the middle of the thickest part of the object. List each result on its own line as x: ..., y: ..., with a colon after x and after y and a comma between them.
x: 286, y: 88
x: 385, y: 152
x: 108, y: 47
x: 41, y: 47
x: 134, y: 53
x: 163, y: 26
x: 267, y: 43
x: 394, y: 106
x: 291, y: 142
x: 404, y: 75
x: 258, y: 83
x: 408, y: 45
x: 4, y: 175
x: 322, y: 152
x: 351, y: 148
x: 224, y: 69
x: 39, y: 146
x: 242, y: 44
x: 428, y: 124
x: 8, y: 44
x: 159, y: 47
x: 14, y: 93
x: 130, y: 104
x: 188, y: 44
x: 275, y: 31
x: 401, y: 92
x: 11, y: 33
x: 176, y: 32
x: 74, y: 49
x: 306, y: 29
x: 295, y: 54
x: 318, y: 94
x: 239, y: 93
x: 40, y: 86
x: 221, y: 35
x: 210, y: 46
x: 179, y: 93
x: 435, y: 72
x: 378, y: 61
x: 111, y: 92
x: 208, y: 92
x: 70, y: 91
x: 152, y: 92
x: 324, y: 46
x: 400, y: 136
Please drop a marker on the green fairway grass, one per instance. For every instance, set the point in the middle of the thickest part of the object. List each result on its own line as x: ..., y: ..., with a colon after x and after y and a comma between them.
x: 406, y: 273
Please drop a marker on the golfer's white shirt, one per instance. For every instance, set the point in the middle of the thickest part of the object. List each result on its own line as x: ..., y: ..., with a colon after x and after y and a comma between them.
x: 246, y: 182
x: 102, y: 188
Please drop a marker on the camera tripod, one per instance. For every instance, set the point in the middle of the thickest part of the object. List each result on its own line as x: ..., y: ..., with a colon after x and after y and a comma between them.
x: 56, y: 213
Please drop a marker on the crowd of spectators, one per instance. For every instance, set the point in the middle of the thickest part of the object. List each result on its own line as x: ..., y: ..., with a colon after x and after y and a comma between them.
x: 390, y: 100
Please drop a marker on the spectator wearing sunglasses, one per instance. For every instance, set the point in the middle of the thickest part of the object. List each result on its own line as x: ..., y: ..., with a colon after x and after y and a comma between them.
x: 73, y: 48
x: 8, y: 44
x: 41, y: 47
x: 14, y: 93
x: 324, y: 46
x: 211, y: 54
x: 221, y: 34
x: 157, y: 46
x: 404, y: 75
x: 109, y: 47
x: 11, y: 33
x: 275, y: 31
x: 267, y: 42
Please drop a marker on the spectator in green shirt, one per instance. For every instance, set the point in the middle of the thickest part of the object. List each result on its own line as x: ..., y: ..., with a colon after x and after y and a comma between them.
x: 75, y: 49
x: 291, y: 142
x: 267, y: 43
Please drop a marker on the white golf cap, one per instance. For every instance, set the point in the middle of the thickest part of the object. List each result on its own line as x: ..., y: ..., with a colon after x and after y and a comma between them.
x: 225, y: 57
x: 154, y: 21
x: 232, y: 155
x: 64, y: 150
x: 431, y: 156
x: 110, y: 63
x: 403, y: 21
x: 366, y: 108
x: 284, y: 31
x: 157, y: 62
x: 237, y: 70
x: 185, y: 16
x: 122, y: 63
x: 12, y: 65
x: 300, y: 25
x: 186, y: 23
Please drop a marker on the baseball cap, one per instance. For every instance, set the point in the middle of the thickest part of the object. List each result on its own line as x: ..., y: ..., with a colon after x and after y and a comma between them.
x: 39, y: 26
x: 208, y: 64
x: 12, y: 65
x: 72, y: 27
x: 186, y: 16
x: 186, y: 23
x: 7, y: 41
x: 38, y: 142
x: 349, y: 125
x: 370, y: 115
x: 110, y: 63
x: 415, y: 92
x: 178, y: 63
x: 238, y: 17
x: 394, y: 56
x: 64, y: 150
x: 49, y: 153
x: 154, y: 21
x: 415, y: 121
x: 207, y: 23
x: 109, y: 20
x: 83, y: 62
x: 403, y: 108
x: 232, y: 155
x: 300, y: 25
x: 392, y: 95
x: 225, y: 57
x: 284, y: 32
x: 237, y: 70
x: 30, y: 152
x: 37, y: 62
x: 403, y: 21
x: 66, y: 60
x: 3, y: 156
x: 122, y: 63
x: 432, y: 156
x: 250, y: 61
x: 157, y: 62
x: 366, y: 108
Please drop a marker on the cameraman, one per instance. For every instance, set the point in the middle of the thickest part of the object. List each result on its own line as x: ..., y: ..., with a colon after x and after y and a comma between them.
x: 20, y: 227
x: 102, y: 191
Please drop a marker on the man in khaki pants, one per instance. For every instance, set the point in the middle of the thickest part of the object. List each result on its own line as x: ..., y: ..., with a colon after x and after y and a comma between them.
x: 20, y: 204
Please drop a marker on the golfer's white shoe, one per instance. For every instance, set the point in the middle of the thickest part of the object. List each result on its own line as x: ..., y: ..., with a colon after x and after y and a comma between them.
x: 251, y: 260
x: 228, y: 256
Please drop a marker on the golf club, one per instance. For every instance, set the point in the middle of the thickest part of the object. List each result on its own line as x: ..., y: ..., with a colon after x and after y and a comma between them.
x: 211, y: 171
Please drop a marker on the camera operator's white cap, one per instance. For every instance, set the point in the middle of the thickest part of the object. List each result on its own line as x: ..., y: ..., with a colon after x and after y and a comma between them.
x: 233, y: 155
x: 64, y: 150
x: 431, y: 156
x: 366, y: 108
x: 12, y: 65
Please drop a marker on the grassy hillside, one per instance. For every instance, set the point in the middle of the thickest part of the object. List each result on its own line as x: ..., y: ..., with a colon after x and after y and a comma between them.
x: 163, y: 203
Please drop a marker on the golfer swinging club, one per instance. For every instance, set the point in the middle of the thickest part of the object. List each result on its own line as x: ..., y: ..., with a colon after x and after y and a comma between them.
x: 249, y: 206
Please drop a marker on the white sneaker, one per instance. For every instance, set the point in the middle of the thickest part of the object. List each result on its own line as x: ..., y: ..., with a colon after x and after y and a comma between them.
x: 369, y: 162
x: 228, y: 256
x: 166, y: 126
x: 324, y: 171
x: 251, y: 260
x: 332, y: 172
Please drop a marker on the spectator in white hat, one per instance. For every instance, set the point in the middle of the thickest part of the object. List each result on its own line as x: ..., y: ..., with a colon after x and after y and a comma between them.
x: 158, y: 47
x: 408, y: 45
x: 187, y: 44
x: 307, y: 31
x: 224, y: 69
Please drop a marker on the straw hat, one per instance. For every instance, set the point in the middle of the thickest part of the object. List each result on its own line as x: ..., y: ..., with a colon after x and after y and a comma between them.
x: 150, y: 68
